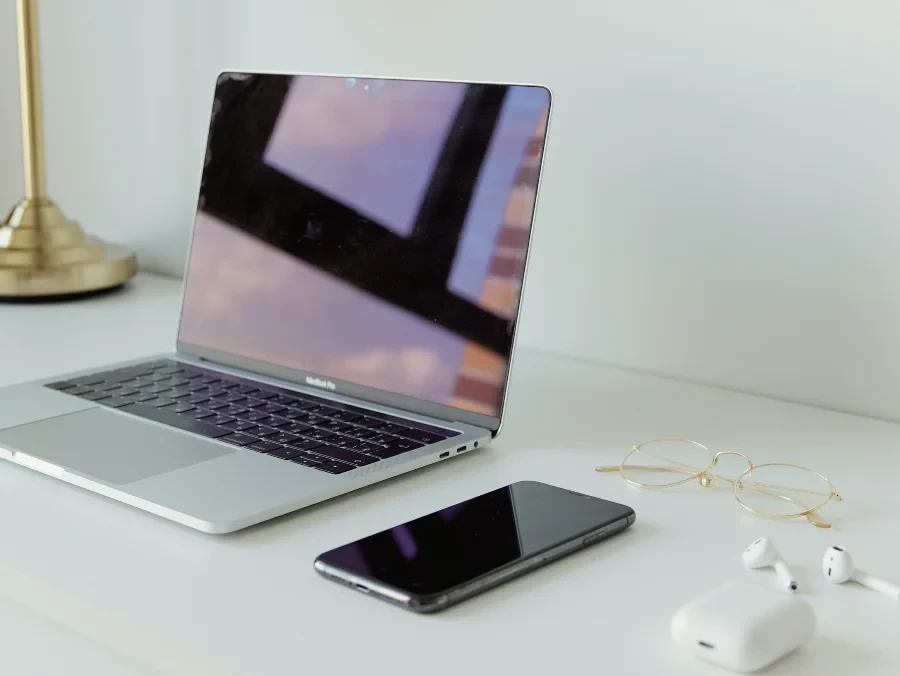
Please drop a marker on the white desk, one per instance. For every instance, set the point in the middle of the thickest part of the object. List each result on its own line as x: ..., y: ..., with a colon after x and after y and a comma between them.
x: 251, y: 603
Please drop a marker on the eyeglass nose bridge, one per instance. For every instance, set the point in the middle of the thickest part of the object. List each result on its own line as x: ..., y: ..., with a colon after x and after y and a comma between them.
x: 707, y: 479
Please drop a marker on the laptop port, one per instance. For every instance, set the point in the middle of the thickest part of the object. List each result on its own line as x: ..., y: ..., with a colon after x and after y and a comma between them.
x: 460, y: 449
x: 476, y: 445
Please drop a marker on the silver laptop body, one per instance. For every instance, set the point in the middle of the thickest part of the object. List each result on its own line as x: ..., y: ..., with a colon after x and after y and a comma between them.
x: 349, y: 312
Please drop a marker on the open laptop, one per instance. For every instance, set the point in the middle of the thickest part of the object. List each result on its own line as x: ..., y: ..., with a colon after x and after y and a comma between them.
x: 349, y: 312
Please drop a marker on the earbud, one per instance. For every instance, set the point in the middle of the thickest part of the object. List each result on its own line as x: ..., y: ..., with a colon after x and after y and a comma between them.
x: 762, y: 554
x: 838, y: 568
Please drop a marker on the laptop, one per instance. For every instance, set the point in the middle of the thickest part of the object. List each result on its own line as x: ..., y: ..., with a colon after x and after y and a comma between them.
x: 349, y: 312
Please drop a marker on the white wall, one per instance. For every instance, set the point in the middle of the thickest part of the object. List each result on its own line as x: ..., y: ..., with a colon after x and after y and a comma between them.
x: 721, y: 193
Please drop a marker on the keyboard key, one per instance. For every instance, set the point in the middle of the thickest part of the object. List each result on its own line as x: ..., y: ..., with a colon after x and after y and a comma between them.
x: 307, y: 461
x: 174, y: 420
x: 78, y: 390
x: 239, y: 425
x: 342, y: 441
x: 294, y: 414
x: 382, y: 438
x: 197, y: 386
x: 221, y: 420
x: 362, y: 447
x: 143, y: 396
x: 391, y: 428
x: 178, y: 393
x: 197, y: 399
x: 265, y: 394
x: 367, y: 421
x: 232, y: 410
x: 295, y: 427
x: 285, y: 400
x: 157, y: 389
x: 419, y: 435
x: 238, y: 439
x: 228, y: 385
x: 335, y: 467
x: 252, y: 402
x: 115, y: 402
x: 346, y: 416
x: 234, y: 397
x: 283, y: 438
x: 273, y: 408
x: 106, y: 387
x: 216, y: 404
x: 322, y: 410
x: 88, y: 381
x: 209, y: 380
x: 304, y: 404
x: 247, y: 389
x: 200, y: 414
x: 405, y: 445
x: 260, y: 431
x: 273, y: 421
x: 306, y: 444
x: 182, y: 408
x: 352, y: 457
x: 360, y: 432
x: 214, y: 392
x: 265, y: 446
x: 334, y: 425
x: 94, y: 396
x: 126, y: 392
x: 253, y: 416
x: 385, y: 452
x: 316, y: 433
x: 285, y: 453
x: 62, y: 385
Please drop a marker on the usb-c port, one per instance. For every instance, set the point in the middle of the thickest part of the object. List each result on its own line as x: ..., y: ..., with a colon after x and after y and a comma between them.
x: 362, y: 588
x: 460, y: 449
x: 444, y: 454
x: 704, y: 644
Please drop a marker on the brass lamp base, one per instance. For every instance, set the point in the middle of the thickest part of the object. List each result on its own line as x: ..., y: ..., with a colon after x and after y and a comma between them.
x: 42, y: 253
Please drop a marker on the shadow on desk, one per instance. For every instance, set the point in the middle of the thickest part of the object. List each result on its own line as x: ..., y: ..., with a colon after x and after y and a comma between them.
x: 825, y: 655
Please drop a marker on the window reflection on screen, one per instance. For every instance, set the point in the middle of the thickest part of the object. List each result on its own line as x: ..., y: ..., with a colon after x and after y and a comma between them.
x: 371, y: 231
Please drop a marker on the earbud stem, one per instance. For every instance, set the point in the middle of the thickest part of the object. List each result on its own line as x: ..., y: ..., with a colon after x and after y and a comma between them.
x: 785, y: 576
x: 877, y: 584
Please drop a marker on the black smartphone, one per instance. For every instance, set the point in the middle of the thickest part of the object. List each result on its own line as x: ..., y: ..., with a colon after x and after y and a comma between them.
x: 432, y: 562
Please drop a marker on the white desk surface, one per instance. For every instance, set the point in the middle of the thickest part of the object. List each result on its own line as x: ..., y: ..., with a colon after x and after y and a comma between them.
x: 251, y: 603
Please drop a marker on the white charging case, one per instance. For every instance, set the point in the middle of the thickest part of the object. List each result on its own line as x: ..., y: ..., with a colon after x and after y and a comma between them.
x: 742, y: 626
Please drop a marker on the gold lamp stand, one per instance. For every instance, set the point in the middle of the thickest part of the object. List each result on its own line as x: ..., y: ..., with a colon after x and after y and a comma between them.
x: 43, y: 253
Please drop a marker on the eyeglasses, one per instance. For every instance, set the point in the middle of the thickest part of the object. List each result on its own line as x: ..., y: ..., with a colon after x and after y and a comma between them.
x: 773, y: 490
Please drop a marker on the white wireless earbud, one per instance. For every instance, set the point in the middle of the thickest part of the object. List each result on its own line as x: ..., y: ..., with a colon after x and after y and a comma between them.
x: 762, y: 554
x: 838, y: 568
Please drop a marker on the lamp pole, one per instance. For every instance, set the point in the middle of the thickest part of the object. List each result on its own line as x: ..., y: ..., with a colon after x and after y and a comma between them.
x: 43, y: 253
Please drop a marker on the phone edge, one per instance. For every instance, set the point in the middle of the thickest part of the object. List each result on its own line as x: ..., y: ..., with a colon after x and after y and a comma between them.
x: 436, y: 603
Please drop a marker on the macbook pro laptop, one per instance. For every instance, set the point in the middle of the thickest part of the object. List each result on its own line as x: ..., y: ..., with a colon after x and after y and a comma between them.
x: 349, y: 311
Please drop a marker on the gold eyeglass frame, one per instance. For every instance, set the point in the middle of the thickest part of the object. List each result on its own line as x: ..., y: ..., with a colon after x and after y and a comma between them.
x: 707, y: 479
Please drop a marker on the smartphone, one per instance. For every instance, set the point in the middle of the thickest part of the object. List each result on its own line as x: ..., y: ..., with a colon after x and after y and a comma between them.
x: 435, y: 561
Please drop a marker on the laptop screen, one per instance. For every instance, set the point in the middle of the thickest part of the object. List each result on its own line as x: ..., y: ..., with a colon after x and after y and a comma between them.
x: 367, y: 231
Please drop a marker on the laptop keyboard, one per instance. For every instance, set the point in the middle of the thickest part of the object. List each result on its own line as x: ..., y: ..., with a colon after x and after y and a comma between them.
x: 301, y: 428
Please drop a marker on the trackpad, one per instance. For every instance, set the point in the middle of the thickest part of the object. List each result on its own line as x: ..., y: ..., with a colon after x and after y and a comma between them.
x: 109, y: 446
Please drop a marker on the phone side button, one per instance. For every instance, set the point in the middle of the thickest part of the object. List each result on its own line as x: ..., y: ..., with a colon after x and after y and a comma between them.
x: 593, y: 537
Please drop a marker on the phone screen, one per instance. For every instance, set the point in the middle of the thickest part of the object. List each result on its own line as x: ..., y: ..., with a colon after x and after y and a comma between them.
x: 438, y: 552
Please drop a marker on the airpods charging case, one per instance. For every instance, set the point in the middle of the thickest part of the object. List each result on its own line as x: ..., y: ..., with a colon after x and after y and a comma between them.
x: 742, y: 626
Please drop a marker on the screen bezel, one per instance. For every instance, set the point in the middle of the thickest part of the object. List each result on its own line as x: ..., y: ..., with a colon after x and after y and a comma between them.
x: 347, y: 388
